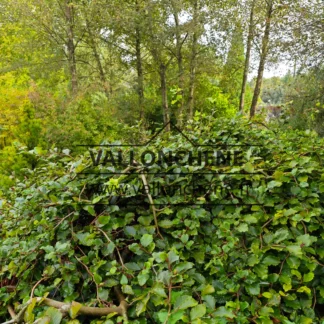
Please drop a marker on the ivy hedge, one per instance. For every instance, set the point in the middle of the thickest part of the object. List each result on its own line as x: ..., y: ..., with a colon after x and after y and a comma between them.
x: 72, y: 250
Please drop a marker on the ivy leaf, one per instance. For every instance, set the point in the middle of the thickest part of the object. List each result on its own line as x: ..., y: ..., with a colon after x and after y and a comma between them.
x: 253, y: 289
x: 142, y: 278
x: 243, y: 228
x: 198, y: 311
x: 295, y: 250
x: 90, y: 209
x: 308, y: 277
x: 280, y: 235
x: 267, y: 295
x: 305, y: 320
x: 271, y: 260
x: 86, y: 239
x: 54, y: 314
x: 266, y: 311
x: 141, y: 305
x: 223, y: 312
x: 209, y: 301
x: 74, y: 309
x: 127, y: 290
x: 184, y: 302
x: 207, y: 290
x: 175, y: 317
x: 29, y: 316
x: 146, y: 240
x: 293, y: 262
x: 172, y: 256
x: 306, y: 239
x: 123, y: 280
x: 304, y: 289
x: 248, y: 167
x: 274, y: 184
x: 162, y: 316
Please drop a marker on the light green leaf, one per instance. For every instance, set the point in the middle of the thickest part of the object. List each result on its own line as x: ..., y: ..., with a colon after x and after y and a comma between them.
x: 54, y: 314
x: 184, y: 302
x: 198, y: 311
x: 146, y: 240
x: 29, y: 316
x: 223, y: 312
x: 308, y: 277
x: 73, y: 311
x: 207, y: 290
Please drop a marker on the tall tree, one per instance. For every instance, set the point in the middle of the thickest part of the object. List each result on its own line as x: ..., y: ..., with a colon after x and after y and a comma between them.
x: 179, y: 40
x: 139, y: 60
x: 160, y: 55
x: 263, y: 56
x: 233, y: 69
x: 193, y: 58
x: 93, y: 26
x: 247, y: 55
x: 70, y: 44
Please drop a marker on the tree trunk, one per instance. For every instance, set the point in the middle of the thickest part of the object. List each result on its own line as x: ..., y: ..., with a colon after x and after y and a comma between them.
x: 140, y: 75
x: 164, y: 94
x: 179, y: 60
x: 247, y: 56
x: 97, y: 58
x: 264, y: 52
x: 71, y: 46
x: 192, y: 78
x: 139, y: 65
x: 157, y: 56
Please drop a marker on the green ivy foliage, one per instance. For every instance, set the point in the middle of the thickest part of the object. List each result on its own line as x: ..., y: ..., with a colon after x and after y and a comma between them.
x: 228, y: 263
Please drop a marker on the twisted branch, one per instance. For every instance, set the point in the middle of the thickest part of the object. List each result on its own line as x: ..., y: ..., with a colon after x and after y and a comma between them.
x: 84, y: 310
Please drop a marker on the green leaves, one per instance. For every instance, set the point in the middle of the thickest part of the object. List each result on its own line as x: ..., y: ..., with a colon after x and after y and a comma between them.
x: 86, y: 239
x: 197, y: 312
x: 267, y: 253
x: 308, y: 277
x: 223, y: 312
x: 274, y: 184
x: 74, y: 309
x: 253, y: 289
x: 146, y: 240
x: 184, y: 302
x: 54, y: 315
x: 295, y: 250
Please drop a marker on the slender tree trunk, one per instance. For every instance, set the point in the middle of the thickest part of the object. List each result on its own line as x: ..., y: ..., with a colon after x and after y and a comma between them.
x: 139, y: 65
x: 156, y: 54
x: 265, y: 46
x: 247, y: 56
x: 71, y: 46
x: 295, y: 67
x: 179, y: 60
x: 140, y: 75
x: 193, y: 58
x: 164, y: 94
x: 97, y: 58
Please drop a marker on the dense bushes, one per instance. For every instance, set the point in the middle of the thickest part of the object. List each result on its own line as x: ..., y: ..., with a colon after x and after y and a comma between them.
x: 261, y: 262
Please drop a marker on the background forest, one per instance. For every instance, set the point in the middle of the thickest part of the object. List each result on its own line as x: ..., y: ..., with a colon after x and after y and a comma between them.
x: 74, y: 71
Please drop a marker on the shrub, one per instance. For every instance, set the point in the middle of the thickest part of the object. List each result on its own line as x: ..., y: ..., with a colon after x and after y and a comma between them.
x: 184, y: 261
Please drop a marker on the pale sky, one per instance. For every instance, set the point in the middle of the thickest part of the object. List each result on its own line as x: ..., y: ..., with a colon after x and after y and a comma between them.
x: 280, y: 70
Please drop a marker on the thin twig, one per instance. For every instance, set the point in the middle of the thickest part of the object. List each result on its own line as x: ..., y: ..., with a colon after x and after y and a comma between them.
x: 152, y: 204
x: 62, y: 220
x: 91, y: 275
x: 11, y: 311
x: 109, y: 241
x: 37, y: 283
x: 315, y: 300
